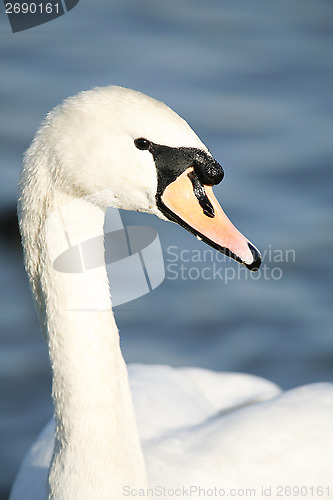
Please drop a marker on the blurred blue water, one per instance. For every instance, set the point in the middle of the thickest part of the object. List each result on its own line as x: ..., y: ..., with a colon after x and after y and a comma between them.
x: 254, y: 80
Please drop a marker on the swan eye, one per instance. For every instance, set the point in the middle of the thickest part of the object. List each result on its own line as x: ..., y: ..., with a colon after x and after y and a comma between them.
x: 142, y: 143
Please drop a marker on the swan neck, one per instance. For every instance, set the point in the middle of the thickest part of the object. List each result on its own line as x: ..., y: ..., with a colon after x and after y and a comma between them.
x: 97, y: 450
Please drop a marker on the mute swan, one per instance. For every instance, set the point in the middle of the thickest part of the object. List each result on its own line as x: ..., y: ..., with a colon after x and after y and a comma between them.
x: 201, y: 433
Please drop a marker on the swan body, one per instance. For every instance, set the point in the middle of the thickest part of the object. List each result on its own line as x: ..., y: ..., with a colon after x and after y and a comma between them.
x: 119, y: 432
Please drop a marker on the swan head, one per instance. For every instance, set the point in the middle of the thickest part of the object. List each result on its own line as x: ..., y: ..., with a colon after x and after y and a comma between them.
x: 117, y: 147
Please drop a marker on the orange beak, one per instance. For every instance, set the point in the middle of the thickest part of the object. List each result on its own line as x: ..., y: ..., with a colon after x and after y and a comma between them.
x: 195, y: 207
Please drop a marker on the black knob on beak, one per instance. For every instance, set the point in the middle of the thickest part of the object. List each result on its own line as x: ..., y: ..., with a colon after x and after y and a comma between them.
x: 208, y: 171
